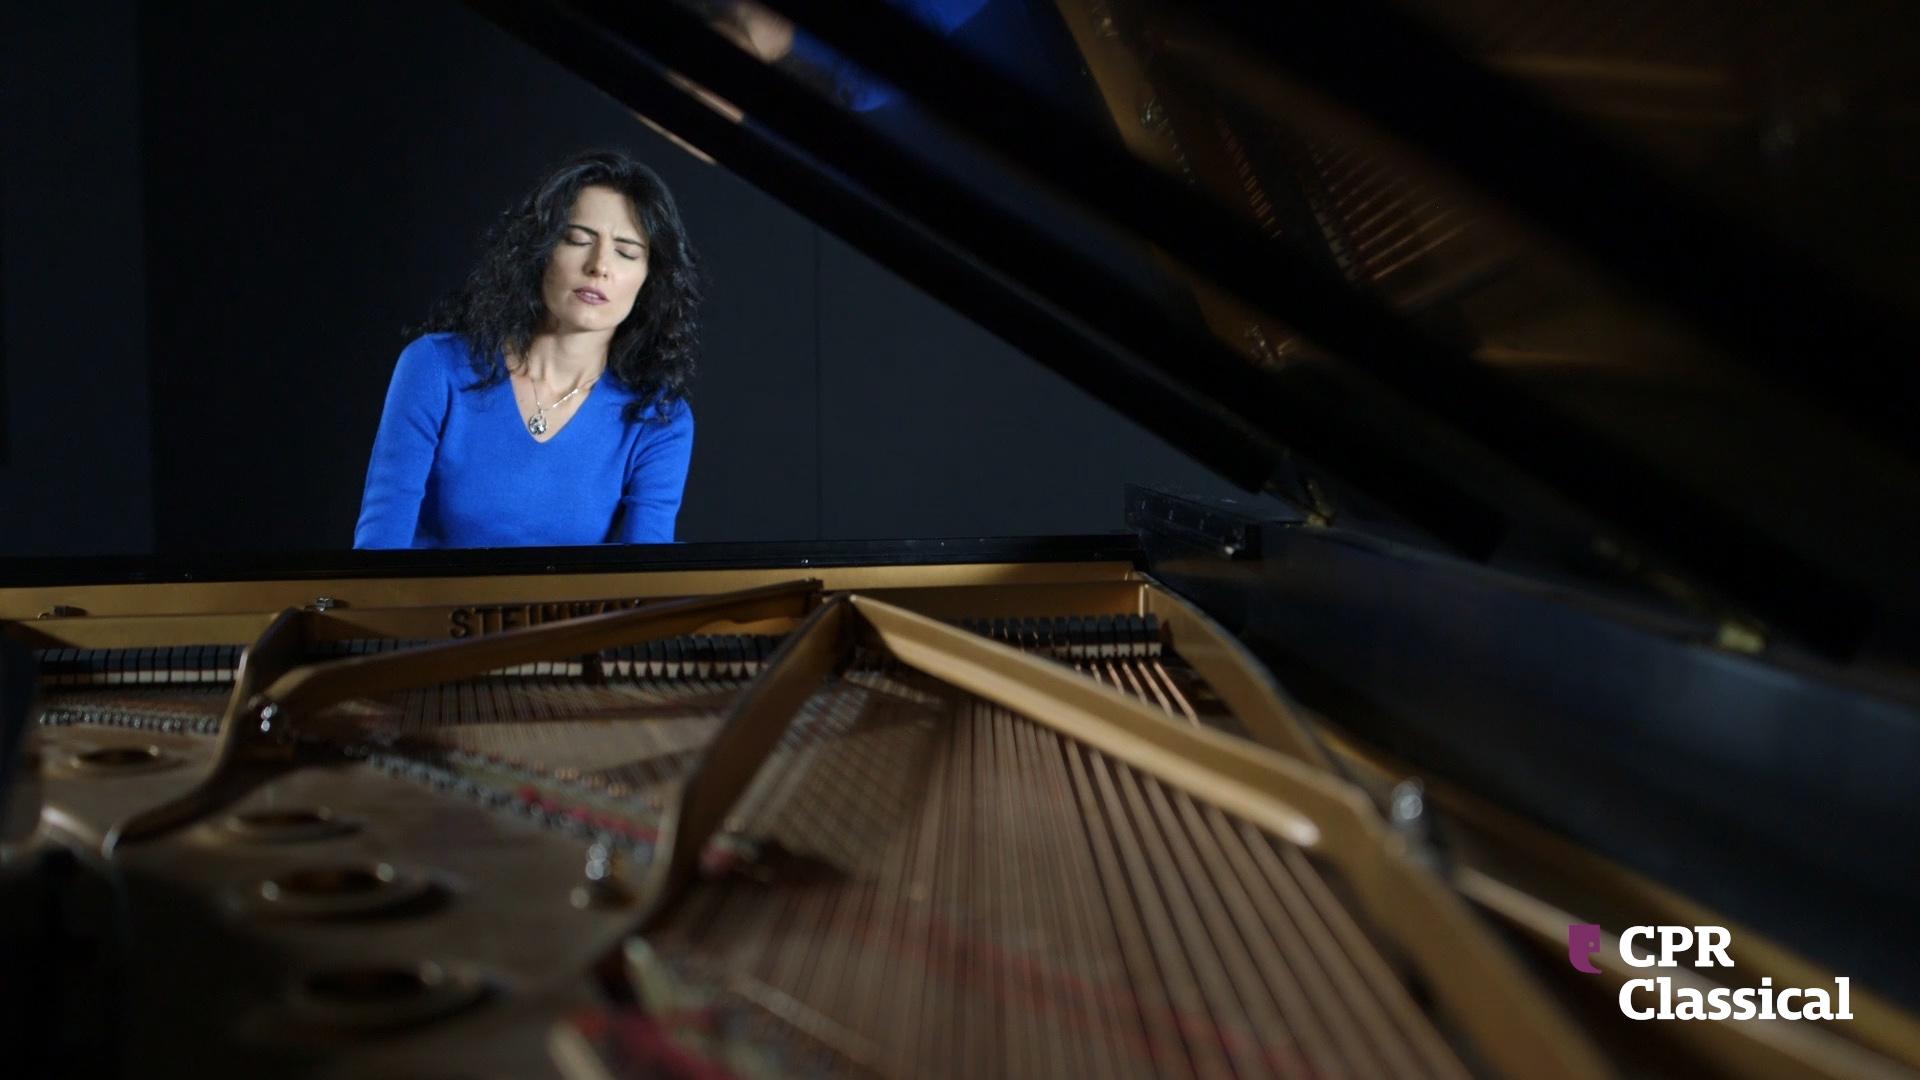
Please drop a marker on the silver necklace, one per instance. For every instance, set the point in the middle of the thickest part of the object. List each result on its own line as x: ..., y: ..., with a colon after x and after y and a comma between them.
x: 537, y: 423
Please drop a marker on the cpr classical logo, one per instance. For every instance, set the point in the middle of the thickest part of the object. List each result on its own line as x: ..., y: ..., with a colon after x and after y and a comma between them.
x: 1701, y: 947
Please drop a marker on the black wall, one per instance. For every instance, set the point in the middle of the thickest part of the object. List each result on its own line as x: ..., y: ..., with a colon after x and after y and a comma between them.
x: 75, y: 468
x: 310, y: 177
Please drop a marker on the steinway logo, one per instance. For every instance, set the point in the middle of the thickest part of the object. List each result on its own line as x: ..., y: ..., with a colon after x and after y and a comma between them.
x: 1701, y: 947
x: 475, y: 621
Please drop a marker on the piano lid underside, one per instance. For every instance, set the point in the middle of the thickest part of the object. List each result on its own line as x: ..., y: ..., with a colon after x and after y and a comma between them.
x: 1795, y: 120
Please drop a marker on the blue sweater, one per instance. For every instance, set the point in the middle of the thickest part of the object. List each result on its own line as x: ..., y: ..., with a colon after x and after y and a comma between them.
x: 454, y: 467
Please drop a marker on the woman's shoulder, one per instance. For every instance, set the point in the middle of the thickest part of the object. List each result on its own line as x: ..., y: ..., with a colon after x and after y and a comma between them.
x: 433, y: 361
x: 679, y: 411
x: 650, y: 411
x: 445, y: 350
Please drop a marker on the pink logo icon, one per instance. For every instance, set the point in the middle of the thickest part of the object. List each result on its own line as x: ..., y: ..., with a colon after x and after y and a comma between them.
x: 1583, y: 940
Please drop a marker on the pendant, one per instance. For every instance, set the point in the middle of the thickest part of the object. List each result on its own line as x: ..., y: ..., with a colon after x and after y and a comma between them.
x: 537, y: 423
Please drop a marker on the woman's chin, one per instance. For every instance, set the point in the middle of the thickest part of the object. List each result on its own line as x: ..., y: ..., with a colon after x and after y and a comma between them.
x: 588, y: 322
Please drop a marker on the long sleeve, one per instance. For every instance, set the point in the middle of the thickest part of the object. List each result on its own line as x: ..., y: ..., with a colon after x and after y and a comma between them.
x: 403, y: 450
x: 656, y: 480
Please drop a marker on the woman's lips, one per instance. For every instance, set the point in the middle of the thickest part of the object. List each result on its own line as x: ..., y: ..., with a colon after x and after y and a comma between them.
x: 590, y: 296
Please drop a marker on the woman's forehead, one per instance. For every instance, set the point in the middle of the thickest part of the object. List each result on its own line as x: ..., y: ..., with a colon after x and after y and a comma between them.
x: 597, y: 204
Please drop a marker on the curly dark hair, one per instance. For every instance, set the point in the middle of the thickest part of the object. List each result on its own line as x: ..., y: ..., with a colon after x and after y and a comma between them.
x: 499, y: 308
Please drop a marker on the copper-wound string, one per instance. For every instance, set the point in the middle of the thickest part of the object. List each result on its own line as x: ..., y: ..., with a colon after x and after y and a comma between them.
x: 1182, y: 988
x: 1153, y: 1007
x: 1253, y: 907
x: 1179, y: 699
x: 1071, y: 1021
x: 1032, y: 953
x: 1297, y: 942
x: 1215, y: 1016
x: 1434, y: 1053
x: 1263, y: 1042
x: 995, y: 898
x: 1378, y: 1028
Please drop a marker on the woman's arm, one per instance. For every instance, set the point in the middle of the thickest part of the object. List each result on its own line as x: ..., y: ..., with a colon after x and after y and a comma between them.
x: 410, y: 426
x: 656, y: 479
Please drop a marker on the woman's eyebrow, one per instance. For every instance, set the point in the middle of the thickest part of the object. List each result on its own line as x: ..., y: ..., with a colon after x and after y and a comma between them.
x: 617, y: 239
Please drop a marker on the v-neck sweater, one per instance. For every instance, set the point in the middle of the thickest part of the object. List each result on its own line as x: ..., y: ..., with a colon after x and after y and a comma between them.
x: 457, y: 467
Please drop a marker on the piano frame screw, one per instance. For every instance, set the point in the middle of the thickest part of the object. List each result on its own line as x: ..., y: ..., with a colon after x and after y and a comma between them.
x: 603, y: 887
x: 1408, y: 803
x: 325, y: 603
x: 1153, y: 116
x: 1261, y: 346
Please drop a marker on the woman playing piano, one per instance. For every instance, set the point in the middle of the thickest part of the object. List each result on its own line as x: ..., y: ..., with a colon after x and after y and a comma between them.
x: 547, y: 403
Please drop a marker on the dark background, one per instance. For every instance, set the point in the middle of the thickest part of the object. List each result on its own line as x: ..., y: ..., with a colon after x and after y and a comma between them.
x: 220, y: 217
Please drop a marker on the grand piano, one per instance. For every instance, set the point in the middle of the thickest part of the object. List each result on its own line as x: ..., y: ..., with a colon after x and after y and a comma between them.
x: 1565, y: 355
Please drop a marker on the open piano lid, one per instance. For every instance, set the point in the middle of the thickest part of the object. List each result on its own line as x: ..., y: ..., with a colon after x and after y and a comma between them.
x: 1602, y: 296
